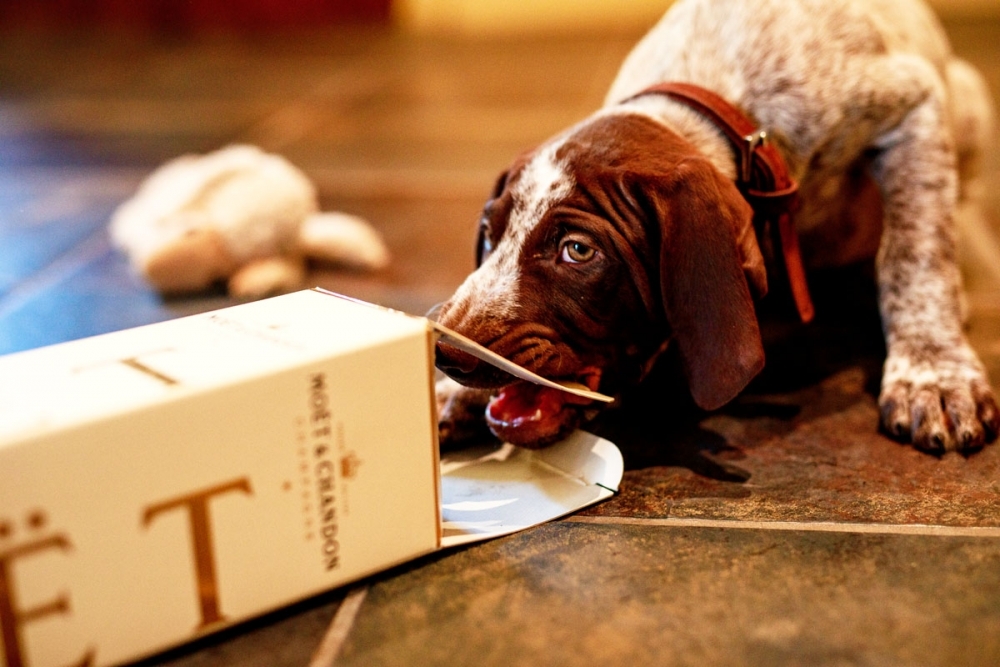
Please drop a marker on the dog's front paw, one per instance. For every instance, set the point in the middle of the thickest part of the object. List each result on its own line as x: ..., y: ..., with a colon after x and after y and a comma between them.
x: 940, y: 402
x: 461, y: 414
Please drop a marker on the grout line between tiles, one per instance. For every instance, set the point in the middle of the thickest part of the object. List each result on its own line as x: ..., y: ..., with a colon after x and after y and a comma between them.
x: 810, y: 526
x: 61, y: 268
x: 340, y: 627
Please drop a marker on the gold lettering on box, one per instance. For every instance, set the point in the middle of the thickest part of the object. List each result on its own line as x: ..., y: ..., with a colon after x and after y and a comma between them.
x: 324, y: 469
x: 199, y: 521
x: 138, y: 363
x: 135, y: 364
x: 12, y: 618
x: 349, y: 464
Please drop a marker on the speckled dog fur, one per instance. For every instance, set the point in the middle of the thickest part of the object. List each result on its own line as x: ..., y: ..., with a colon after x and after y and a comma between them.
x: 840, y: 85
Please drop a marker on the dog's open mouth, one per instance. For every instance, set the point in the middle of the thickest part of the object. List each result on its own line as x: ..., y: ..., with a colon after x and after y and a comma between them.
x: 532, y: 416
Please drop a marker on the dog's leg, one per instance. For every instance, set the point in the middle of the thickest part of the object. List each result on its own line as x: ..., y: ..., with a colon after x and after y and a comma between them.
x: 934, y: 388
x: 972, y: 120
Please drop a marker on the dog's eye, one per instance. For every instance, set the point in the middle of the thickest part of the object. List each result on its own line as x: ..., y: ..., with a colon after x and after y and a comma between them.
x: 484, y: 246
x: 576, y: 252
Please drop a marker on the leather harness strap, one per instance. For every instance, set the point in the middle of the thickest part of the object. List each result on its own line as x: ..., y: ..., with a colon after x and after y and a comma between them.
x: 762, y: 178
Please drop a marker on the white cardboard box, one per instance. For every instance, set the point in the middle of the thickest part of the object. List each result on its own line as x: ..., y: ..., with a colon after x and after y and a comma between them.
x: 162, y: 483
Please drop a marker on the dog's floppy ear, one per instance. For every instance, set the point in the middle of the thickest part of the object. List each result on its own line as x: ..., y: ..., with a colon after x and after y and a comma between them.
x: 706, y: 260
x: 498, y: 188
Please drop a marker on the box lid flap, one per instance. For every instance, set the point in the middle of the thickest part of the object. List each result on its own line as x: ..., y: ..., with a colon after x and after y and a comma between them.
x: 473, y: 348
x: 469, y: 346
x: 487, y: 492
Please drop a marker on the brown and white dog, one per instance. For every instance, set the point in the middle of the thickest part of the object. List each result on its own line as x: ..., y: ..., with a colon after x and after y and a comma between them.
x: 627, y: 232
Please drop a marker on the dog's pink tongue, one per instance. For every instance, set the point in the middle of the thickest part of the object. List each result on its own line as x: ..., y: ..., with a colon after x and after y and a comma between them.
x: 531, y: 416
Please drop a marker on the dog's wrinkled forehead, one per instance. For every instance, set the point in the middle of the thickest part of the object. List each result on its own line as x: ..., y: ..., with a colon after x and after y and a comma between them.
x: 541, y: 184
x: 534, y: 188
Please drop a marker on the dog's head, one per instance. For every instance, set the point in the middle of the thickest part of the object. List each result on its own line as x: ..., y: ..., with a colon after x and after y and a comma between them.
x: 596, y: 251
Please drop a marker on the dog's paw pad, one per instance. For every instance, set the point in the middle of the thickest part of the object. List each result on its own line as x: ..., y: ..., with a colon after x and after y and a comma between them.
x: 987, y: 410
x: 929, y: 422
x: 461, y: 414
x: 894, y: 407
x: 939, y: 408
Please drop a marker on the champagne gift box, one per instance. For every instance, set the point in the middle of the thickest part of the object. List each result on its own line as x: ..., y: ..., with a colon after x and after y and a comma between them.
x: 161, y: 483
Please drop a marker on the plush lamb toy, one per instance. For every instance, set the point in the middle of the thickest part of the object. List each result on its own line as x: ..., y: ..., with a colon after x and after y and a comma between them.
x: 237, y: 214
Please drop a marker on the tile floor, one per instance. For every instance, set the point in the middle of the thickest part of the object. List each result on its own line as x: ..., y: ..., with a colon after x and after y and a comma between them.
x: 782, y: 530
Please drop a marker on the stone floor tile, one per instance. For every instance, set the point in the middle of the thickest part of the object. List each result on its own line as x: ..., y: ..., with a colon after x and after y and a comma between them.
x: 574, y: 594
x: 287, y: 638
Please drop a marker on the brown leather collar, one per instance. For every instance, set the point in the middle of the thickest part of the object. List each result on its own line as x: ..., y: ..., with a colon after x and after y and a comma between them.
x: 762, y: 178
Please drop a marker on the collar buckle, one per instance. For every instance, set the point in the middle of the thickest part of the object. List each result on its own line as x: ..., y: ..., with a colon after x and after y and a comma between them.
x: 748, y: 147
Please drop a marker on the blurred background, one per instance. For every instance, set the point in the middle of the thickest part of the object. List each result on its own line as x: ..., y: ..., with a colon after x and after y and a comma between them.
x: 404, y: 112
x: 470, y: 17
x: 401, y: 111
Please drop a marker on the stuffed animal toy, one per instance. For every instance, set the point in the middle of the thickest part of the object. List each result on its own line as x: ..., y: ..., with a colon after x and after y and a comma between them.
x: 238, y: 215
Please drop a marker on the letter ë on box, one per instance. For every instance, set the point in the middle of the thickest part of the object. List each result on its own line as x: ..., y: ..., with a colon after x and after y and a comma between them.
x: 161, y: 483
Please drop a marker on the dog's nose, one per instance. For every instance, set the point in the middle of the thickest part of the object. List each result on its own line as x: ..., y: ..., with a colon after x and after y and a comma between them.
x: 454, y: 362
